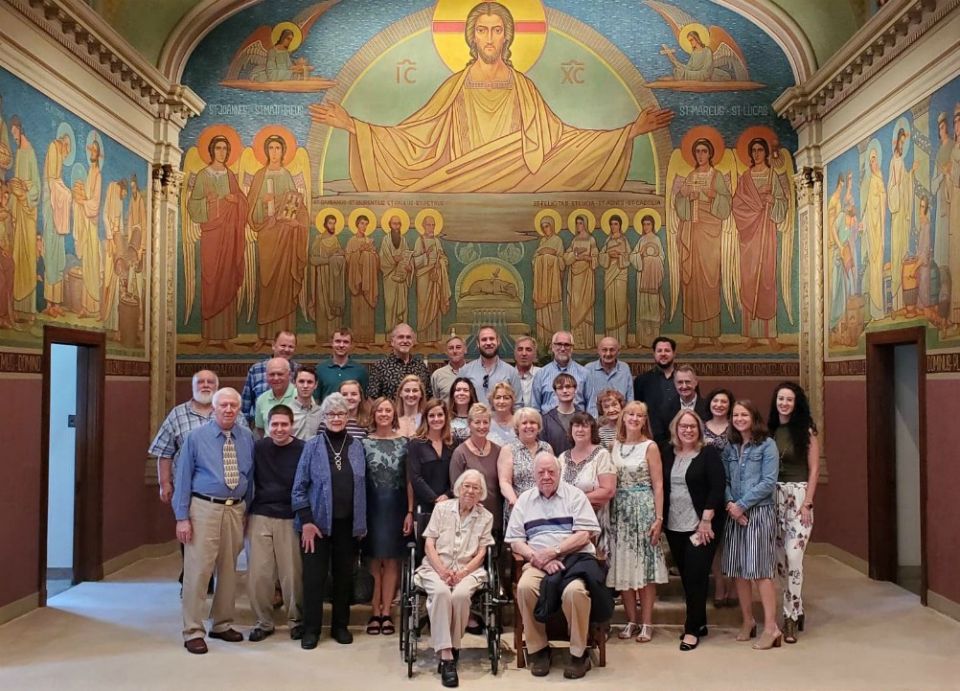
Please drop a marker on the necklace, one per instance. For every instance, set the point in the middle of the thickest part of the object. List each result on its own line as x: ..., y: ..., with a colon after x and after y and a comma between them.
x: 337, y: 455
x: 479, y: 451
x: 633, y: 447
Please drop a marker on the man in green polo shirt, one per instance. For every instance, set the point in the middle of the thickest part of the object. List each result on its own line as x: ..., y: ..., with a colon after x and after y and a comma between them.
x: 280, y: 391
x: 338, y: 368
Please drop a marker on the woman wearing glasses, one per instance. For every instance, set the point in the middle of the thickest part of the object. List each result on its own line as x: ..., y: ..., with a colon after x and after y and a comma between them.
x: 693, y: 486
x: 330, y: 502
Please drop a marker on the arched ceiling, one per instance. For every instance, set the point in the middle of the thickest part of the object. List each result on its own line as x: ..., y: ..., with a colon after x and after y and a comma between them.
x: 827, y: 23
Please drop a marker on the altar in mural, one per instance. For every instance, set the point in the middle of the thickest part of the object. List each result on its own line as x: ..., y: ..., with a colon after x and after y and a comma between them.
x: 892, y: 229
x: 535, y: 165
x: 74, y: 230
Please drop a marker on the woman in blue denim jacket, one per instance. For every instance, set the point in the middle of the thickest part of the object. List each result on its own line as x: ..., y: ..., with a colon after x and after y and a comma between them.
x: 329, y: 499
x: 749, y: 551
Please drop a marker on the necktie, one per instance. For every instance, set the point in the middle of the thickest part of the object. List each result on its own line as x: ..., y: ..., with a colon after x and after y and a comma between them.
x: 231, y: 472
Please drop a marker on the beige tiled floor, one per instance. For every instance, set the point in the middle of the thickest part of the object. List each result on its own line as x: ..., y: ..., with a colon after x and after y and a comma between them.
x: 124, y: 634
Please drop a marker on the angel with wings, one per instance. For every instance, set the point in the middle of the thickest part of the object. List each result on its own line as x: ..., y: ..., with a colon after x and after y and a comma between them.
x: 763, y: 211
x: 701, y: 237
x: 278, y: 220
x: 214, y: 216
x: 716, y: 62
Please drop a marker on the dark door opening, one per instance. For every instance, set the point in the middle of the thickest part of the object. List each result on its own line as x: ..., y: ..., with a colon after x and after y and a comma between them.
x: 896, y: 458
x: 71, y: 483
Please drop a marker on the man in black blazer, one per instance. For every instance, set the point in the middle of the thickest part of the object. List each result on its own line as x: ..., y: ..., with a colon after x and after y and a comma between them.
x: 656, y: 388
x: 688, y: 395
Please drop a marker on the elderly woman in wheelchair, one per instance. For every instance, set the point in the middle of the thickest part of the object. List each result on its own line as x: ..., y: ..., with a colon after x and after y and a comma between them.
x: 456, y: 541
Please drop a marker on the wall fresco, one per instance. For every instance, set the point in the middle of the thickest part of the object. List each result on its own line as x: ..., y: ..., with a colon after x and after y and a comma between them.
x: 892, y: 222
x: 537, y: 165
x: 74, y: 229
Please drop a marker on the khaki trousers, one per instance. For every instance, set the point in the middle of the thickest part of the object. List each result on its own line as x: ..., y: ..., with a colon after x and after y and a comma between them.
x: 576, y: 608
x: 274, y: 549
x: 448, y: 608
x: 217, y: 541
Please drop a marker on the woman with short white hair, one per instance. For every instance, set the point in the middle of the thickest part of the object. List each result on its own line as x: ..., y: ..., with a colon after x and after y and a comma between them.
x: 457, y: 538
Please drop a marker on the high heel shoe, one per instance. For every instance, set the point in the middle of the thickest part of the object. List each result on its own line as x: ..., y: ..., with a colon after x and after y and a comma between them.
x: 747, y: 632
x: 789, y: 630
x: 800, y: 620
x: 768, y: 640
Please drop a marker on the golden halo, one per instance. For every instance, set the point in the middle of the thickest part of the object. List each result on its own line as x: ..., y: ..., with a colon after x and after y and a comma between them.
x: 530, y: 32
x: 702, y: 132
x: 279, y: 130
x: 554, y: 216
x: 424, y: 215
x: 756, y: 132
x: 605, y: 220
x: 702, y: 32
x: 208, y: 133
x: 297, y: 35
x: 647, y: 211
x: 390, y: 213
x: 330, y: 211
x: 572, y: 220
x: 362, y: 211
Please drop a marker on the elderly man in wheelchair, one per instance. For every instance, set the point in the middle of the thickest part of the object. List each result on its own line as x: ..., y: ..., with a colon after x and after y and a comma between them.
x: 552, y: 527
x: 458, y: 555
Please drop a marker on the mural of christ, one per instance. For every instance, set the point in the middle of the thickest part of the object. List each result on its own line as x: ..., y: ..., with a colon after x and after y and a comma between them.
x: 487, y: 112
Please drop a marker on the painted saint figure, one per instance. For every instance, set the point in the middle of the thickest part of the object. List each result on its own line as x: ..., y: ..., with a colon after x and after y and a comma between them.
x: 137, y: 227
x: 114, y: 248
x: 86, y: 229
x: 839, y: 281
x: 433, y: 282
x: 397, y: 266
x: 940, y: 187
x: 57, y: 203
x: 581, y: 259
x: 615, y: 260
x: 702, y: 205
x: 700, y: 66
x: 647, y: 259
x: 7, y: 268
x: 953, y: 259
x: 25, y: 190
x: 363, y: 269
x: 488, y: 111
x: 873, y: 209
x: 900, y: 202
x: 327, y: 258
x: 278, y: 217
x: 759, y: 206
x: 547, y: 280
x: 219, y: 207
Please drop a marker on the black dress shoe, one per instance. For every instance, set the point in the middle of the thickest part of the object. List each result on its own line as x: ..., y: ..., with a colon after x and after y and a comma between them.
x: 309, y: 641
x: 699, y: 634
x: 684, y: 646
x: 197, y: 646
x: 342, y: 636
x: 448, y: 674
x: 230, y: 635
x: 259, y: 634
x: 296, y: 633
x: 539, y: 662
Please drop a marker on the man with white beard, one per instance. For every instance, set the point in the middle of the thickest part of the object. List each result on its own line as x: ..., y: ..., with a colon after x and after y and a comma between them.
x: 180, y: 421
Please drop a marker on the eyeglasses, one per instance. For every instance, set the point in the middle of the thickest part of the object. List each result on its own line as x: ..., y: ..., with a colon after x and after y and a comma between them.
x: 333, y: 414
x: 563, y: 345
x: 688, y: 426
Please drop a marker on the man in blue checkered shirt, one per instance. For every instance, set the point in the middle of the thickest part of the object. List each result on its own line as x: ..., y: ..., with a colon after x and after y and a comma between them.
x: 284, y: 344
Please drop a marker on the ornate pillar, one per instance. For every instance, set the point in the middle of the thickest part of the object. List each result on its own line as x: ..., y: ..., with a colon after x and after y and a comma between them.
x: 810, y: 222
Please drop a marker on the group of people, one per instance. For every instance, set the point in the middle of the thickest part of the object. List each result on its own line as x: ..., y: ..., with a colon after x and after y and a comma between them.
x: 583, y: 470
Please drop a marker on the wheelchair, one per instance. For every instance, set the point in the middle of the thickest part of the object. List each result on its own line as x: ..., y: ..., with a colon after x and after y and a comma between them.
x: 487, y: 600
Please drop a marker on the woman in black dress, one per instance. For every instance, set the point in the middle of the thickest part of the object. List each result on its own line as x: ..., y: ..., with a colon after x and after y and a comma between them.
x: 428, y: 457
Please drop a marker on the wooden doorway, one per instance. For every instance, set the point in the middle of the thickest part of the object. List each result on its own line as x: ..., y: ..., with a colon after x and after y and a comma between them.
x: 884, y: 350
x: 88, y: 491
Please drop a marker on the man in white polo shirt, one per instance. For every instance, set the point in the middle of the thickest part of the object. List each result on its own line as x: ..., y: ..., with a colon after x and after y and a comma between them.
x: 549, y: 522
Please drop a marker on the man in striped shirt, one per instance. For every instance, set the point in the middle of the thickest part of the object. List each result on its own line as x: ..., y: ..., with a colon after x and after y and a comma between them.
x: 549, y: 522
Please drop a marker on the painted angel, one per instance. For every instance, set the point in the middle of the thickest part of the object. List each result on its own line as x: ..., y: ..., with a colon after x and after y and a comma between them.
x: 702, y: 250
x: 714, y: 55
x: 763, y: 209
x: 214, y: 217
x: 278, y: 220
